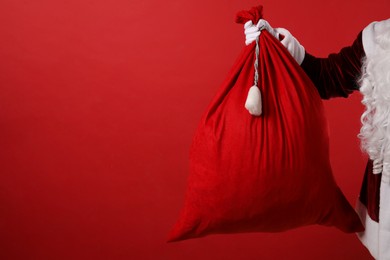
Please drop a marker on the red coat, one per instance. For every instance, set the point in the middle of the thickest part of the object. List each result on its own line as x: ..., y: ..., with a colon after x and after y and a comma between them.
x: 336, y: 76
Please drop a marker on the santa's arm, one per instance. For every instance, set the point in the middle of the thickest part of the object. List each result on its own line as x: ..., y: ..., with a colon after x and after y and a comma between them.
x: 336, y: 75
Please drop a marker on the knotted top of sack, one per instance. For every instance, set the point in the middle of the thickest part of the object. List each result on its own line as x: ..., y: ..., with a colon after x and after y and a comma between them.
x: 254, y: 14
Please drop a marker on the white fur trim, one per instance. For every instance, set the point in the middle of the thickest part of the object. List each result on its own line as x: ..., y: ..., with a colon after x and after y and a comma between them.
x: 369, y: 237
x: 384, y: 221
x: 368, y: 40
x: 370, y: 34
x: 376, y: 237
x: 292, y: 45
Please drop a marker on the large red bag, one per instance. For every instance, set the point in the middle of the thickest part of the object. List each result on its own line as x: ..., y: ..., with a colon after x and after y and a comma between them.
x: 265, y: 173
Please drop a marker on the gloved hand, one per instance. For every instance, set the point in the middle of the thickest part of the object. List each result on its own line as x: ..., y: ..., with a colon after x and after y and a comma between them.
x: 292, y: 45
x: 253, y: 31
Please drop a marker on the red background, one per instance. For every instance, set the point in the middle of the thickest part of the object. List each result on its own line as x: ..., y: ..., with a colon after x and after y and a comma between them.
x: 99, y: 101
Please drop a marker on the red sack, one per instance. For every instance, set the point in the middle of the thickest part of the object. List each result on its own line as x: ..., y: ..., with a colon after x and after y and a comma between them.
x: 263, y: 174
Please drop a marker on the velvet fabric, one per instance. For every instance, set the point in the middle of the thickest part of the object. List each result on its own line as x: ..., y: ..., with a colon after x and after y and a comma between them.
x: 370, y: 191
x: 262, y: 174
x: 336, y: 75
x: 254, y: 15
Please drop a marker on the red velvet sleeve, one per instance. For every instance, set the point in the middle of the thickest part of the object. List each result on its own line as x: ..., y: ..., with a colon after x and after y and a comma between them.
x: 336, y: 75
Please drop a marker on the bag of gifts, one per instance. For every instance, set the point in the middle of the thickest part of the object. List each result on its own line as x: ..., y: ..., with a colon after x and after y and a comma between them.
x: 267, y: 172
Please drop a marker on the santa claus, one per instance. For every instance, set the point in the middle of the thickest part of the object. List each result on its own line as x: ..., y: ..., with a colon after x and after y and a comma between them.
x: 363, y: 66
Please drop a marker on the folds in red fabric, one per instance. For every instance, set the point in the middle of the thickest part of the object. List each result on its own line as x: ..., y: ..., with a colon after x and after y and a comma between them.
x: 268, y: 173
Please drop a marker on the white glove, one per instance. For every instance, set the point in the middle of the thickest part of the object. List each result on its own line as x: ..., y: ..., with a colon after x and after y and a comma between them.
x: 253, y: 31
x: 292, y: 45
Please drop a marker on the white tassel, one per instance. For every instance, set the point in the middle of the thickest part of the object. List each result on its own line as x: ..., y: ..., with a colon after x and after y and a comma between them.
x: 253, y: 101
